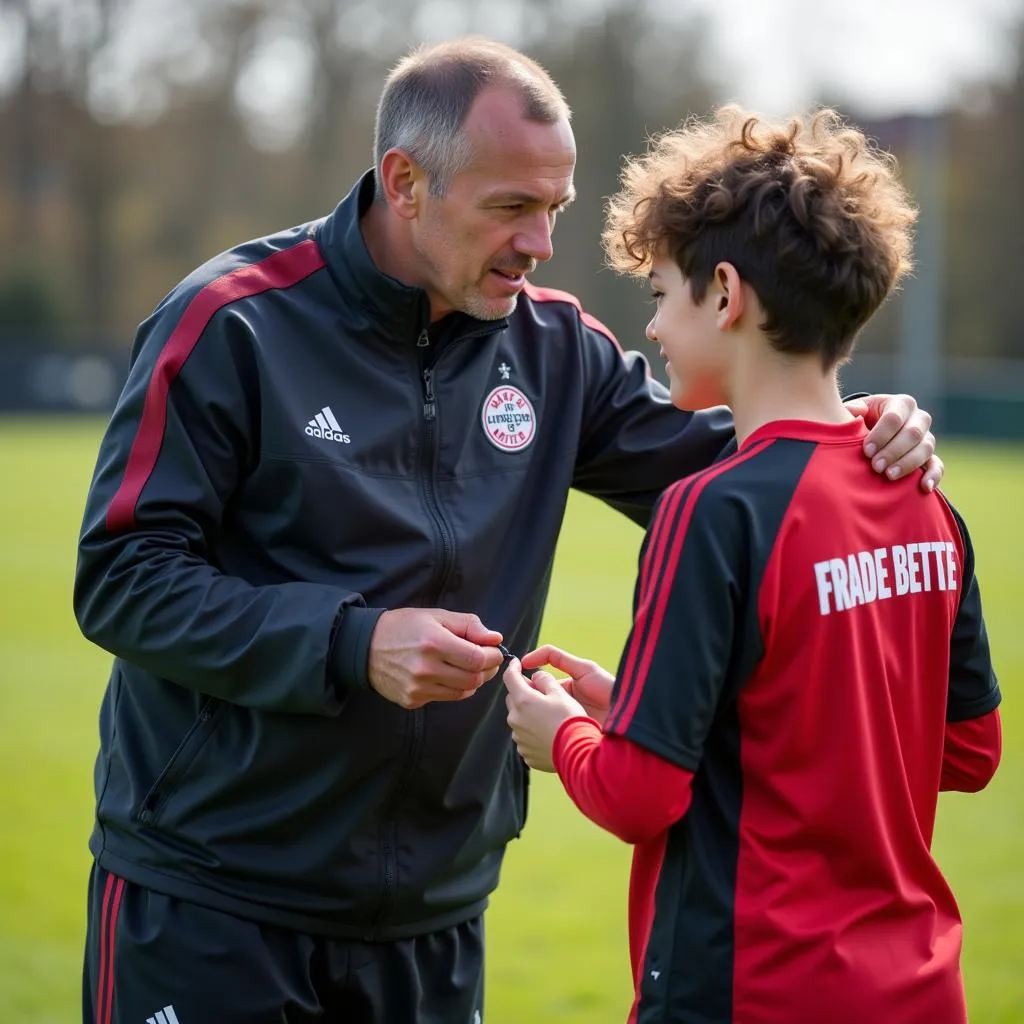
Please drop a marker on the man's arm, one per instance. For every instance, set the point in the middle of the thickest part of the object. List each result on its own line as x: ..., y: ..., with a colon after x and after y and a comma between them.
x: 179, y: 443
x: 634, y: 442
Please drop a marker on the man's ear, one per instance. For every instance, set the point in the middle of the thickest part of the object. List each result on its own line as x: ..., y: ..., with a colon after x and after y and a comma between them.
x: 403, y: 181
x: 728, y: 296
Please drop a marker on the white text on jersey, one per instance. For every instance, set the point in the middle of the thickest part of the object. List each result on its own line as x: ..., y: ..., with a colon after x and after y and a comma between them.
x: 865, y: 576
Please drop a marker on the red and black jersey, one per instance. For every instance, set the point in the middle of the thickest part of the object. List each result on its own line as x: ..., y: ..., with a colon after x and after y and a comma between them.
x: 805, y: 632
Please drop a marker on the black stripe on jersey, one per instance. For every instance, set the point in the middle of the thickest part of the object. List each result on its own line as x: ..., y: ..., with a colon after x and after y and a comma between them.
x: 973, y: 689
x: 661, y: 548
x: 691, y: 948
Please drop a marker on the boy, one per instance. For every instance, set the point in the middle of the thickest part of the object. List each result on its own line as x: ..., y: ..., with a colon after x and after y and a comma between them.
x: 808, y: 664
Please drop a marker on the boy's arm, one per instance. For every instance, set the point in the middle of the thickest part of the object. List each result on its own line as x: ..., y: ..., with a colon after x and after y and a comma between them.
x: 635, y: 779
x: 690, y: 628
x: 973, y: 742
x: 971, y: 753
x: 619, y: 785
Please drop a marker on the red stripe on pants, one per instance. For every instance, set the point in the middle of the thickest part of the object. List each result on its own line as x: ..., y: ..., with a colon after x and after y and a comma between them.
x: 108, y: 926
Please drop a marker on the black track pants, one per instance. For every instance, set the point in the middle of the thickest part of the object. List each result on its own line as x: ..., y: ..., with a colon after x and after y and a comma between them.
x: 155, y: 959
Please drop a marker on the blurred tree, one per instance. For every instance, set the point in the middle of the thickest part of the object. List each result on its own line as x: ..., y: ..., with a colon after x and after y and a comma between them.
x: 150, y: 134
x: 986, y: 224
x: 62, y: 44
x: 29, y: 305
x: 627, y: 75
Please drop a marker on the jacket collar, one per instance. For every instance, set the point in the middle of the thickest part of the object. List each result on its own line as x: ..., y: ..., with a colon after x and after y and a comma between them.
x: 397, y: 307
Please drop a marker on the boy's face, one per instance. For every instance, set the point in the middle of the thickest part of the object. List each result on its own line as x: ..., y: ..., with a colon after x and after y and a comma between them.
x: 696, y: 351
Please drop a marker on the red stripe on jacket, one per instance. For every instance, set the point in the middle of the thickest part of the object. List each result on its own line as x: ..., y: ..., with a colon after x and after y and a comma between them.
x: 281, y: 270
x: 555, y: 295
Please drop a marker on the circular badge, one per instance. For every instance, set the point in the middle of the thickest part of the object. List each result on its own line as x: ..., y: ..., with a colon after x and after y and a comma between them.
x: 508, y: 419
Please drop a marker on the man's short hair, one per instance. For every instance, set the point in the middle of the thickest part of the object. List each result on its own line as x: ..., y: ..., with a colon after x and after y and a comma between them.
x: 429, y: 93
x: 810, y: 213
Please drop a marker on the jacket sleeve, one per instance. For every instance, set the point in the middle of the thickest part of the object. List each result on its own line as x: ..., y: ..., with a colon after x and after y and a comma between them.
x: 633, y: 441
x: 182, y: 438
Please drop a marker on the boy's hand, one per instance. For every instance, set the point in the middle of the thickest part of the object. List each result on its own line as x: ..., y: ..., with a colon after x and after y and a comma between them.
x: 900, y: 440
x: 590, y: 684
x: 536, y: 708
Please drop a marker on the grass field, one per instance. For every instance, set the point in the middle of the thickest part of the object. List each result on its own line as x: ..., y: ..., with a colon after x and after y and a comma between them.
x: 557, y: 926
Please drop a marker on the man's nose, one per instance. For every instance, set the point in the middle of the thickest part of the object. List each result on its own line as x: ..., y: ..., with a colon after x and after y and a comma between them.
x: 535, y: 240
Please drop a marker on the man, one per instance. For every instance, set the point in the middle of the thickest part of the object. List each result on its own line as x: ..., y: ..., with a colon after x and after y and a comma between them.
x: 791, y: 698
x: 306, y: 535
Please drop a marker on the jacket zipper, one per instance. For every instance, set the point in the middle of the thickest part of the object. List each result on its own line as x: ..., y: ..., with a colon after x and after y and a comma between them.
x: 415, y: 731
x: 447, y: 559
x: 180, y: 763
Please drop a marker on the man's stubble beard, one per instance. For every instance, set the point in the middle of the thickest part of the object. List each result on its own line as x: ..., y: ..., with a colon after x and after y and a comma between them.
x: 472, y: 301
x: 484, y: 309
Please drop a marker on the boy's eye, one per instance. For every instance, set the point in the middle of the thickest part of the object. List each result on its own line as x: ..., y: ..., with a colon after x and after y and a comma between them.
x: 655, y: 296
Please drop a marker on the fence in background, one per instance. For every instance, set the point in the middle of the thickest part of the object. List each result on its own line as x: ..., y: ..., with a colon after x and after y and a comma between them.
x: 974, y: 397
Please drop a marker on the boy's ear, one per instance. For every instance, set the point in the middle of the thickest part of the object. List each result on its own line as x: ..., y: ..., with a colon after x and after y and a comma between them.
x: 728, y: 295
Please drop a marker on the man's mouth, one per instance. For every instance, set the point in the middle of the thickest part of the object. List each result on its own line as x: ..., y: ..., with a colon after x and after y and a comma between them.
x: 510, y: 280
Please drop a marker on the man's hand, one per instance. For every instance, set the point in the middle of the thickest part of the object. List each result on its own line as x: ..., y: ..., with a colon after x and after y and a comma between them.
x: 589, y: 684
x: 418, y: 655
x: 536, y: 708
x: 900, y: 439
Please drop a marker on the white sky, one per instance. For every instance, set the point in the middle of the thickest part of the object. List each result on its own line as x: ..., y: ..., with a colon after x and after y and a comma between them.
x: 886, y: 56
x: 874, y: 57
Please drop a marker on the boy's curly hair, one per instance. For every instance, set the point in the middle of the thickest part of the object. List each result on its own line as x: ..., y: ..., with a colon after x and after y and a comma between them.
x: 809, y: 212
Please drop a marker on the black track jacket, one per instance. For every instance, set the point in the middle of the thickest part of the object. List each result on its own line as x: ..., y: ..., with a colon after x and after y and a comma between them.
x: 295, y: 450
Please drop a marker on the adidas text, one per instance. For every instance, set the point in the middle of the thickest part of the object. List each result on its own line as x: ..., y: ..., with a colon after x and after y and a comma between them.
x: 325, y: 425
x: 330, y: 435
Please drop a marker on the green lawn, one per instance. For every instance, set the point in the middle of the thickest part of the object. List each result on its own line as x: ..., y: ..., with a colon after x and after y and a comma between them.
x: 556, y: 937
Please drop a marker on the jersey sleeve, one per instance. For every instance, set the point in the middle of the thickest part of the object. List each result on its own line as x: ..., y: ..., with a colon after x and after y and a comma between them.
x: 971, y: 752
x: 619, y: 785
x: 973, y: 687
x: 688, y: 607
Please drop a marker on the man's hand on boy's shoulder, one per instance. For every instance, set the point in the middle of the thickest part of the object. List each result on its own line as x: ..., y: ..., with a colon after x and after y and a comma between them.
x: 900, y: 439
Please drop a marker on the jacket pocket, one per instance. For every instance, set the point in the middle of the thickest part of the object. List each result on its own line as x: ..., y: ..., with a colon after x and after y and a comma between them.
x: 170, y: 778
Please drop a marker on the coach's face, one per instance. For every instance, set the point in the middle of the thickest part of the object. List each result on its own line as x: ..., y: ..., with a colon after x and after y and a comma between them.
x: 493, y: 226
